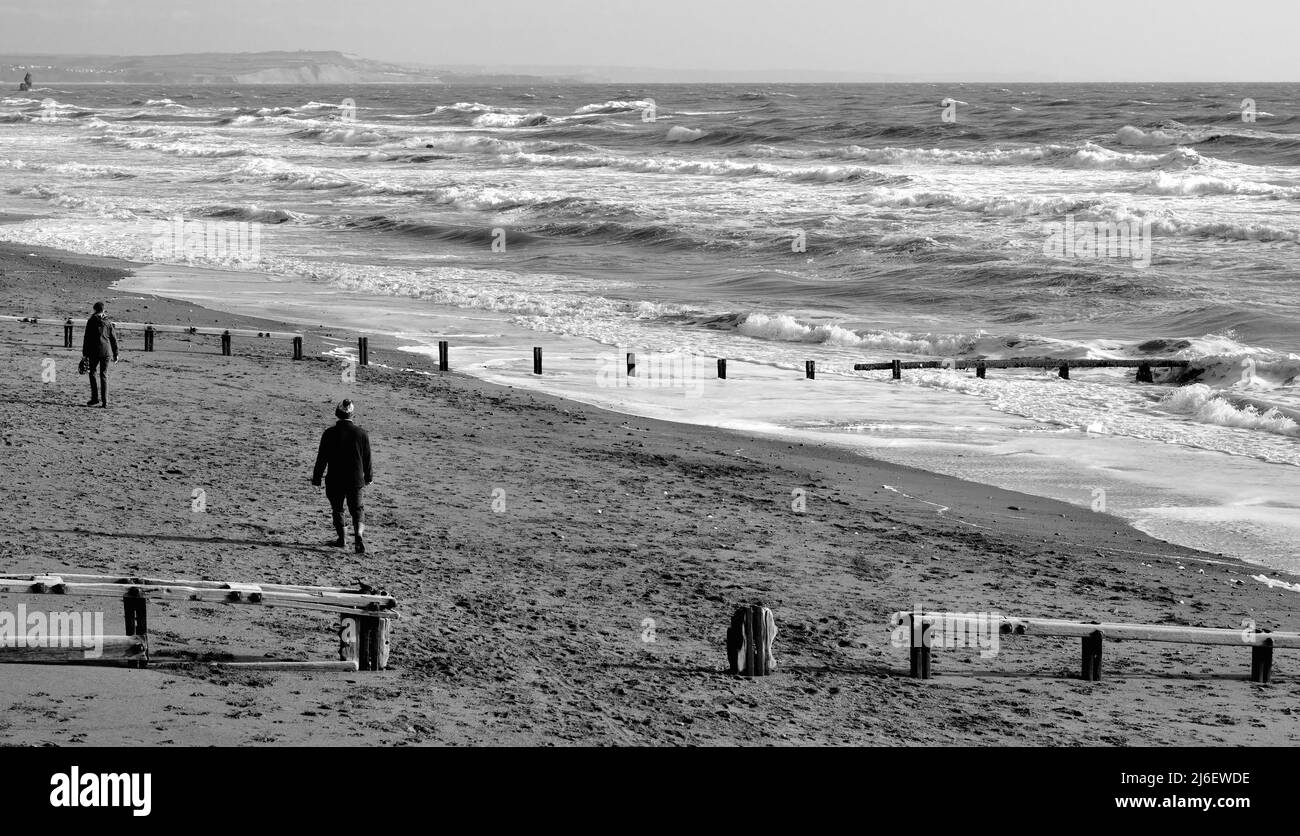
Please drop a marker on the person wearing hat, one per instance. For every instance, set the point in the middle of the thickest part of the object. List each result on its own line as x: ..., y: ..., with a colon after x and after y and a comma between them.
x: 98, y: 345
x: 344, y: 460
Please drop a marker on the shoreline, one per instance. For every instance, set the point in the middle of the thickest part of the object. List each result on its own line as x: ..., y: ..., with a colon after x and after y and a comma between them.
x: 514, y: 621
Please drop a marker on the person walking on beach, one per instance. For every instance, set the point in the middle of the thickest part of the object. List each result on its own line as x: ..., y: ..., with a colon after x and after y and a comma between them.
x: 344, y: 460
x: 99, y: 344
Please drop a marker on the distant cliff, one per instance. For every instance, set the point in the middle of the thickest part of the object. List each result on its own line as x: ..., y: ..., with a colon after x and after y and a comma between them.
x: 215, y: 68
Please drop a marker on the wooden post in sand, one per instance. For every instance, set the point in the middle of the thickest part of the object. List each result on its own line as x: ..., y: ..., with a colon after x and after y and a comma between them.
x: 1091, y: 669
x: 631, y: 364
x: 297, y: 348
x: 1144, y: 374
x: 135, y: 609
x: 898, y: 370
x: 363, y: 351
x: 922, y: 634
x: 225, y: 343
x: 749, y: 641
x: 537, y: 359
x: 67, y: 333
x: 722, y: 369
x: 1261, y: 661
x: 442, y: 355
x: 148, y: 338
x: 980, y: 369
x: 1064, y: 370
x: 810, y: 369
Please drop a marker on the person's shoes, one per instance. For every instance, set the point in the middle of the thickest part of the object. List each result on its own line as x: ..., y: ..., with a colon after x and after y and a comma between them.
x: 104, y: 404
x: 93, y: 402
x: 359, y: 546
x: 337, y: 542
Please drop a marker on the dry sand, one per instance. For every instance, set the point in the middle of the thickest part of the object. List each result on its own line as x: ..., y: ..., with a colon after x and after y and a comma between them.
x: 526, y: 626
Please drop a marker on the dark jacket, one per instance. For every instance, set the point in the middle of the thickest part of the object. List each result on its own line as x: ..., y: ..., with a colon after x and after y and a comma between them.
x: 345, y: 450
x: 101, y: 338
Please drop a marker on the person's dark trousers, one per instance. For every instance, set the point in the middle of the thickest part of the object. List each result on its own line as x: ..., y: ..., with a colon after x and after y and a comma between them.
x: 337, y: 496
x: 99, y: 392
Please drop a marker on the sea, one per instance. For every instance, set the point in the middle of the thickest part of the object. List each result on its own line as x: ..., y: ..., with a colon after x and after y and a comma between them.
x: 769, y: 225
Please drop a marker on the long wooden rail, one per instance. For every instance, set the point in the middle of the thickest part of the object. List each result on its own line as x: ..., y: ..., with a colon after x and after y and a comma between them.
x: 922, y: 626
x: 364, y: 613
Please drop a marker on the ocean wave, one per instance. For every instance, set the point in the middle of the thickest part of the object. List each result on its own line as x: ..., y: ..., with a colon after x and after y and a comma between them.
x: 88, y: 204
x: 289, y: 175
x: 615, y: 106
x: 251, y: 213
x: 1201, y: 403
x: 1172, y: 134
x: 1085, y: 155
x: 720, y: 168
x: 510, y: 120
x: 342, y: 136
x: 1202, y: 184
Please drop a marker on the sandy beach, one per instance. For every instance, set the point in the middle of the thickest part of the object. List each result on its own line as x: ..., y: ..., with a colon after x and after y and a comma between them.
x: 524, y: 623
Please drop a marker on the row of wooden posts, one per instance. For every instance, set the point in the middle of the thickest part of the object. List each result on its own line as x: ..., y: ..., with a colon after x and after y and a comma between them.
x: 1144, y: 367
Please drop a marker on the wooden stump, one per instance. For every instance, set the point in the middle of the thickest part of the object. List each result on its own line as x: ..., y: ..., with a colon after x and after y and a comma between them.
x: 442, y: 355
x: 67, y: 334
x: 1064, y: 371
x: 225, y: 343
x: 148, y: 338
x: 1261, y: 662
x: 364, y: 639
x: 980, y: 369
x: 135, y: 611
x: 631, y: 364
x: 749, y: 641
x: 537, y: 360
x: 1091, y: 667
x: 297, y: 348
x: 898, y: 369
x: 363, y: 351
x: 922, y: 636
x: 810, y: 369
x: 1144, y: 374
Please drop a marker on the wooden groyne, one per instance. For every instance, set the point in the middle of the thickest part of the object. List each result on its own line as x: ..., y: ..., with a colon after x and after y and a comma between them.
x: 1062, y: 366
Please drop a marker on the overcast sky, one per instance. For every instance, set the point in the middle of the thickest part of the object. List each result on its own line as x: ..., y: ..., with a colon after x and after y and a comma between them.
x: 1149, y: 40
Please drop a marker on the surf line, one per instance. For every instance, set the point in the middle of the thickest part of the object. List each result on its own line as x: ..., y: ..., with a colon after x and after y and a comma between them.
x: 941, y: 508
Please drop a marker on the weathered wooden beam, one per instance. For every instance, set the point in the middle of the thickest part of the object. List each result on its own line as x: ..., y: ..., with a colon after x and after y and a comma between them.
x: 137, y: 580
x: 112, y: 648
x: 379, y: 606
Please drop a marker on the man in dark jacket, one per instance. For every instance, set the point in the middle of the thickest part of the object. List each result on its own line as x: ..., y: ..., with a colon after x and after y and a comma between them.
x: 344, y: 460
x: 99, y: 344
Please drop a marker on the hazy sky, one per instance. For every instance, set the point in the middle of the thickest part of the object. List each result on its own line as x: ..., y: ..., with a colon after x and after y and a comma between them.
x: 1156, y: 40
